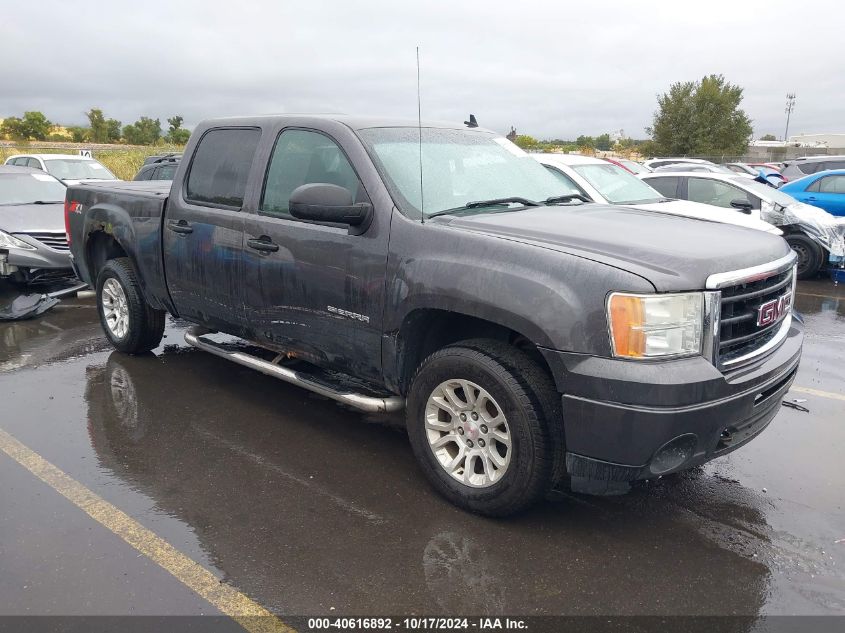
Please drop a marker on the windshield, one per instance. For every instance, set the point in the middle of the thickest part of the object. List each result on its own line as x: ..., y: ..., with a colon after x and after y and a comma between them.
x: 633, y: 166
x: 459, y: 167
x: 765, y: 191
x: 616, y: 185
x: 75, y: 169
x: 24, y: 188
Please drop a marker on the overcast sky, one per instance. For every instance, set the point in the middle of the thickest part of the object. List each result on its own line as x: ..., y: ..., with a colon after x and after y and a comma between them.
x: 552, y: 69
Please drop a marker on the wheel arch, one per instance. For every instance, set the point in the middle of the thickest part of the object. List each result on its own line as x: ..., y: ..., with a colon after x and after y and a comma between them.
x: 109, y: 232
x: 425, y: 330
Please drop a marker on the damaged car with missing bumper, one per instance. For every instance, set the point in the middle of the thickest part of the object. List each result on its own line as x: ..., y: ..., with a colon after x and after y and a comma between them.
x: 816, y: 236
x: 33, y: 242
x: 532, y: 341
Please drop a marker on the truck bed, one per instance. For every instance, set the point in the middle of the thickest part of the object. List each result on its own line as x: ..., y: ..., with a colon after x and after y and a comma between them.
x: 131, y: 212
x: 142, y: 187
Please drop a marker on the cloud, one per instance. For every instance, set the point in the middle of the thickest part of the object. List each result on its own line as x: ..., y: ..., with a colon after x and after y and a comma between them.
x: 552, y: 69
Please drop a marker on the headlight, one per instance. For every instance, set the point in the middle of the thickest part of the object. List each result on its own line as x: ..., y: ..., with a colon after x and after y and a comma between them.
x: 10, y: 241
x: 653, y: 326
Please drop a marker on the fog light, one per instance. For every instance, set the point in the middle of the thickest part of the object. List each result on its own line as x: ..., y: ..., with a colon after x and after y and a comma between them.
x: 673, y: 453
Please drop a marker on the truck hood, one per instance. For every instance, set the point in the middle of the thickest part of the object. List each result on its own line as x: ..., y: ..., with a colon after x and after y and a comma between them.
x: 672, y: 252
x: 709, y: 212
x: 32, y: 218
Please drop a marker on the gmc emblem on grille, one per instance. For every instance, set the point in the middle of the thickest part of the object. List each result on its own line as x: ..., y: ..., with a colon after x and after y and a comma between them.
x: 773, y: 310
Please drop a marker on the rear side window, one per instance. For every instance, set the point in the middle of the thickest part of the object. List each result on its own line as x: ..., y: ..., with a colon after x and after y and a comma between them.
x: 221, y: 166
x: 166, y: 172
x: 832, y: 184
x: 811, y: 167
x: 835, y: 164
x: 667, y: 187
x: 303, y: 157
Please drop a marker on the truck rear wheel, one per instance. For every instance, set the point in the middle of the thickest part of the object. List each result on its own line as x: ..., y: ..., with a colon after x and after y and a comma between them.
x: 485, y: 426
x: 810, y: 255
x: 129, y: 322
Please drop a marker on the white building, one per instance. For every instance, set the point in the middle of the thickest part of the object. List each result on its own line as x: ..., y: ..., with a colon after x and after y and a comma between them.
x: 828, y: 139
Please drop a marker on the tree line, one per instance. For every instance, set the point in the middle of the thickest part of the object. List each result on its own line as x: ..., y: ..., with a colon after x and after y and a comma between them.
x: 603, y: 143
x: 694, y: 118
x: 34, y: 126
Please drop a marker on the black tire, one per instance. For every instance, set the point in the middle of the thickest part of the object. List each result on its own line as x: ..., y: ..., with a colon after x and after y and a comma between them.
x: 810, y: 254
x: 146, y: 325
x: 526, y: 395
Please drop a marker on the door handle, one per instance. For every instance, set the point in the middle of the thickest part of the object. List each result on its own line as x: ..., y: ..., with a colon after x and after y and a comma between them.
x: 811, y: 197
x: 182, y: 227
x: 262, y: 244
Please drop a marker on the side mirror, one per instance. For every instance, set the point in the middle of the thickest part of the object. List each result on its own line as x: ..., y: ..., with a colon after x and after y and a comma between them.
x: 324, y: 202
x: 742, y: 204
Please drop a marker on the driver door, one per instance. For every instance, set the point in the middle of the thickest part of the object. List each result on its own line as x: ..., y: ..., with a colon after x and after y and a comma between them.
x: 314, y: 289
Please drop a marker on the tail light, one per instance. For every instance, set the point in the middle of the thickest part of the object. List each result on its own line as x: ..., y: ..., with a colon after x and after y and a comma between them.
x: 71, y: 206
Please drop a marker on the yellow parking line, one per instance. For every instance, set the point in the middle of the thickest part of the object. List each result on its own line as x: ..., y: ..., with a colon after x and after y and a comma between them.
x: 249, y: 614
x: 819, y: 393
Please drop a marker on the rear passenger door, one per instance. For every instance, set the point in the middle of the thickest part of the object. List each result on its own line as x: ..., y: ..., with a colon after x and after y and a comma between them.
x: 313, y: 288
x: 203, y: 229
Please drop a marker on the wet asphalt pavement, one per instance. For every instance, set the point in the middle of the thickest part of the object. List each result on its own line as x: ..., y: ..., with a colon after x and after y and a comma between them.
x: 309, y: 508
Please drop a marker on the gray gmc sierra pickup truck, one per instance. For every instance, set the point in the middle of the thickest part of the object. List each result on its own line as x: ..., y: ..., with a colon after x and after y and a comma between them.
x: 531, y: 339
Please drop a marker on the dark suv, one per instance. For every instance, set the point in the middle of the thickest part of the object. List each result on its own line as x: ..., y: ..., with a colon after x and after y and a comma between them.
x: 800, y: 167
x: 159, y: 167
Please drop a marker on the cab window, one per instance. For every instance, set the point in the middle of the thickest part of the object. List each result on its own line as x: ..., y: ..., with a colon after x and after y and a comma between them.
x: 221, y: 166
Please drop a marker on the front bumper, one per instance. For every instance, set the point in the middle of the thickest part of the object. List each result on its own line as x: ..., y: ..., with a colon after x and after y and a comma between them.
x: 618, y: 415
x: 41, y: 257
x: 42, y: 263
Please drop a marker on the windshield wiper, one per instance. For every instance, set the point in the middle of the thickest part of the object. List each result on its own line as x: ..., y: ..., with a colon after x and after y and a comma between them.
x: 495, y: 202
x: 567, y: 198
x: 45, y: 202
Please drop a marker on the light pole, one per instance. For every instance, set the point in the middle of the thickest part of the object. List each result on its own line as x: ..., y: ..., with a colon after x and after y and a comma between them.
x: 790, y: 105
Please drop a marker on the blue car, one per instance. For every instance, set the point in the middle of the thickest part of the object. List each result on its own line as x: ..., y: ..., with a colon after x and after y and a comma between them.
x: 824, y: 189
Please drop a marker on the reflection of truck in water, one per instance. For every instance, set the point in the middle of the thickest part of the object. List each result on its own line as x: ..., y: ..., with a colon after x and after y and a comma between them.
x: 239, y: 471
x: 531, y: 338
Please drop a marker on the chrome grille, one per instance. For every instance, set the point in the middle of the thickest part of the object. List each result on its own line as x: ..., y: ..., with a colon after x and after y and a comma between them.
x: 56, y: 241
x: 749, y: 321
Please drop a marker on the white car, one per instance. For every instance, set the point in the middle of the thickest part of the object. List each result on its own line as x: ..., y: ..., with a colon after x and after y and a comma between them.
x: 71, y: 169
x: 604, y: 182
x: 814, y: 234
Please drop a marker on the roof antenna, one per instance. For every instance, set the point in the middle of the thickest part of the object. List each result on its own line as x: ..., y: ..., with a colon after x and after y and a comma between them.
x: 419, y: 128
x: 472, y: 122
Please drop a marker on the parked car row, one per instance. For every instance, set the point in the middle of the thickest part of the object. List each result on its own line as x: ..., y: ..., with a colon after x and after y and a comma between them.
x: 724, y: 191
x: 71, y: 169
x: 681, y: 186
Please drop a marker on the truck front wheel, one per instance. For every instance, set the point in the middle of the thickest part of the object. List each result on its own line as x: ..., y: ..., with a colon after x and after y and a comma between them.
x: 130, y: 324
x: 484, y: 423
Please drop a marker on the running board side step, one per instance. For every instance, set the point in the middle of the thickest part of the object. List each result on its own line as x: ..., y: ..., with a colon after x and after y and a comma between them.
x: 370, y: 404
